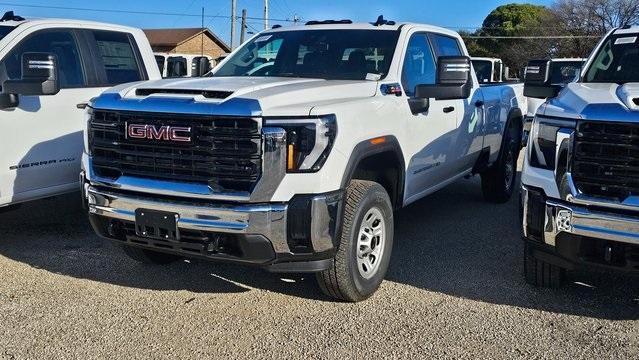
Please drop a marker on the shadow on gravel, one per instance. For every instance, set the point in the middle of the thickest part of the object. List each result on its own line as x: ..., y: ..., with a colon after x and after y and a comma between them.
x: 55, y: 235
x: 452, y: 243
x: 457, y: 244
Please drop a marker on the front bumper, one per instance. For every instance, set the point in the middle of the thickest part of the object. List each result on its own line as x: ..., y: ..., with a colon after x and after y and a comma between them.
x: 577, y: 234
x: 295, y: 236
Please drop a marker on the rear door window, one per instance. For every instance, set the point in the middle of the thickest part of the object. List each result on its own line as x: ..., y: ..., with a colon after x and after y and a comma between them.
x: 445, y: 45
x: 118, y: 60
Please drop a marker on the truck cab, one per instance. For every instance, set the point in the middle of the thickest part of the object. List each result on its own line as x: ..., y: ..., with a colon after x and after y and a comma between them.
x: 295, y: 153
x: 561, y: 72
x: 580, y: 180
x: 488, y: 70
x: 49, y: 70
x: 173, y: 65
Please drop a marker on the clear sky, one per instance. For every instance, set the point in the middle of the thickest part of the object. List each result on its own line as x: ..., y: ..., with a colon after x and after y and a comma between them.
x: 448, y: 13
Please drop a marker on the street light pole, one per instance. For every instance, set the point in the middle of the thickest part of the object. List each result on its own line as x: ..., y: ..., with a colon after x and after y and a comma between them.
x: 265, y: 14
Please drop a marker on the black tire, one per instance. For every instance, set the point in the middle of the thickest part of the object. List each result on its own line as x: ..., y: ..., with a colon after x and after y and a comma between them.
x: 149, y: 256
x: 498, y: 182
x: 540, y: 273
x: 343, y: 279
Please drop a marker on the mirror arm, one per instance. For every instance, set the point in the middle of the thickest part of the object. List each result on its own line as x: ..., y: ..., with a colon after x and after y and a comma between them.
x: 419, y: 105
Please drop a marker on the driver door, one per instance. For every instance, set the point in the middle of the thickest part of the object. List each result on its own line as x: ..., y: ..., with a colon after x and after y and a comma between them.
x: 431, y: 133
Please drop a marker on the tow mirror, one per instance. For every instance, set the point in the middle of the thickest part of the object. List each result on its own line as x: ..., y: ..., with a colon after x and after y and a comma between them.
x: 39, y: 76
x: 537, y: 82
x: 454, y: 81
x: 200, y: 66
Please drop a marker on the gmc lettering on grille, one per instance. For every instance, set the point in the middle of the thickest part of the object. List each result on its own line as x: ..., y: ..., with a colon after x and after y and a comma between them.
x: 164, y: 133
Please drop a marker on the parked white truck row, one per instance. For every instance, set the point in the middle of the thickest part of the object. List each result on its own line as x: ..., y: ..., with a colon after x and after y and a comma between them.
x: 293, y: 164
x: 42, y: 121
x: 580, y: 197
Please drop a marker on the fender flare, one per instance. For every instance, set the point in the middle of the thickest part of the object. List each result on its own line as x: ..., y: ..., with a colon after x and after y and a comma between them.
x: 368, y: 148
x: 515, y: 113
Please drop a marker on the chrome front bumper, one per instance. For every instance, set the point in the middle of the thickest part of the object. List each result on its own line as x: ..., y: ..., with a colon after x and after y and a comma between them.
x: 565, y: 217
x: 268, y: 220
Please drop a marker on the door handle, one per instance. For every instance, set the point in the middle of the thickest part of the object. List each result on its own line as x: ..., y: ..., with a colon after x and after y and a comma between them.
x: 82, y: 106
x: 449, y: 109
x: 479, y: 103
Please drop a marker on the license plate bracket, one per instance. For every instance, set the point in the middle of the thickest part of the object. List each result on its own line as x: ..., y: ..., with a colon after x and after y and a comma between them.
x: 157, y: 224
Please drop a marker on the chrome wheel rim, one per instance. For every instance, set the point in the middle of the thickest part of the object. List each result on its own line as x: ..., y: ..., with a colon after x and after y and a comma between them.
x: 370, y: 243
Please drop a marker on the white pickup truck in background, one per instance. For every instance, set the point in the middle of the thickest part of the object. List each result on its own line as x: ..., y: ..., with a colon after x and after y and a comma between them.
x: 562, y: 72
x: 49, y: 70
x: 580, y: 195
x: 491, y: 72
x: 173, y: 65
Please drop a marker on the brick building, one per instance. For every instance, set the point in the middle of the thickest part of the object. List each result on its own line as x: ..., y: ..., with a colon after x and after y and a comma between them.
x: 187, y: 41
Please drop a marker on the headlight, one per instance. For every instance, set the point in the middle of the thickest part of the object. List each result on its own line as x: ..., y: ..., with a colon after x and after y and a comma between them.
x: 88, y: 114
x: 542, y: 146
x: 308, y: 141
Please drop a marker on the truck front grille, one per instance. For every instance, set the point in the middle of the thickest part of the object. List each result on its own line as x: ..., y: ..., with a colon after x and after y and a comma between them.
x: 606, y: 159
x: 224, y: 152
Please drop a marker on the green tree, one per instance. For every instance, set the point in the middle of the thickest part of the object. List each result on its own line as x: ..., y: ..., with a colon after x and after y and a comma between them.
x: 515, y: 20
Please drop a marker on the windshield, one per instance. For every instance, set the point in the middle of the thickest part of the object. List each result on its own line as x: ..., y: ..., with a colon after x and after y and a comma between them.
x: 324, y: 54
x: 4, y: 30
x: 564, y: 72
x: 483, y: 69
x: 616, y: 61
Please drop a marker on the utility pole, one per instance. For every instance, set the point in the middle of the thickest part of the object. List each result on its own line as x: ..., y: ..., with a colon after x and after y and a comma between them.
x: 202, y: 44
x: 296, y: 19
x: 233, y: 10
x: 265, y: 14
x: 243, y: 26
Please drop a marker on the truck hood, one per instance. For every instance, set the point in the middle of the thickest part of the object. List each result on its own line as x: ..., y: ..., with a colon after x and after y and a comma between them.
x: 270, y: 96
x: 591, y: 101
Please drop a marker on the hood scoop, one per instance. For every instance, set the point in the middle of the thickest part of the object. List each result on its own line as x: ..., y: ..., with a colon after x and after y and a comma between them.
x: 209, y: 94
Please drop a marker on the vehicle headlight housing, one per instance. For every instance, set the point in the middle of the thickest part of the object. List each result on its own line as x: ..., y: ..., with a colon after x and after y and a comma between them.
x: 308, y: 141
x: 542, y: 144
x: 88, y: 114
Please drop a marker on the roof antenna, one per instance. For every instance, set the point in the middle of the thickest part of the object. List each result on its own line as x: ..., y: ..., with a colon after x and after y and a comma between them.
x: 9, y: 16
x: 381, y: 21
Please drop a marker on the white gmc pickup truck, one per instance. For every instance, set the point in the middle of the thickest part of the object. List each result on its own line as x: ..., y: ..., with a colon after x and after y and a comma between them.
x: 49, y: 70
x: 299, y: 168
x: 580, y: 197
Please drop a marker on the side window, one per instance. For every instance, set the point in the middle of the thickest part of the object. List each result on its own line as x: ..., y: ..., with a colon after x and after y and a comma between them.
x: 419, y: 64
x: 176, y: 67
x: 445, y: 45
x: 117, y: 57
x: 58, y: 42
x: 159, y: 59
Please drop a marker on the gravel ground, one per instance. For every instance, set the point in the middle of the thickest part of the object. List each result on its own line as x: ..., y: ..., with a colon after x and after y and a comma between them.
x: 454, y: 290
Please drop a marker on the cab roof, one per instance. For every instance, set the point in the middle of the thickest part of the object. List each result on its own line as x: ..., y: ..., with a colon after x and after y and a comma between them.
x: 634, y: 29
x: 337, y: 25
x: 69, y: 22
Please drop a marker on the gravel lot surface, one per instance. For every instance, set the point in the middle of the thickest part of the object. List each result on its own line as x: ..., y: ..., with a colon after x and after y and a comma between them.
x: 454, y: 290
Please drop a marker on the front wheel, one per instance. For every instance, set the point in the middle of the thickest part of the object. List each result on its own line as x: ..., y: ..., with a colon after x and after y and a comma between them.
x: 366, y: 241
x: 498, y: 182
x: 540, y: 273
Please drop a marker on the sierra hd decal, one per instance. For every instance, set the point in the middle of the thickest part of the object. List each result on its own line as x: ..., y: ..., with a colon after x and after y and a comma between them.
x: 40, y: 163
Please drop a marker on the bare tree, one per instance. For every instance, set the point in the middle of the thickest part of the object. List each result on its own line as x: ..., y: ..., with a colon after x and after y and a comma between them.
x: 596, y: 16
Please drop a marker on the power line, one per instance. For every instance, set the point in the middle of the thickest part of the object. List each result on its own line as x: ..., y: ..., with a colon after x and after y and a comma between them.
x: 132, y: 12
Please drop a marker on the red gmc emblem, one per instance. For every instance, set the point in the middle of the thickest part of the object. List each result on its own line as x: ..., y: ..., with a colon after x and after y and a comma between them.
x: 165, y: 133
